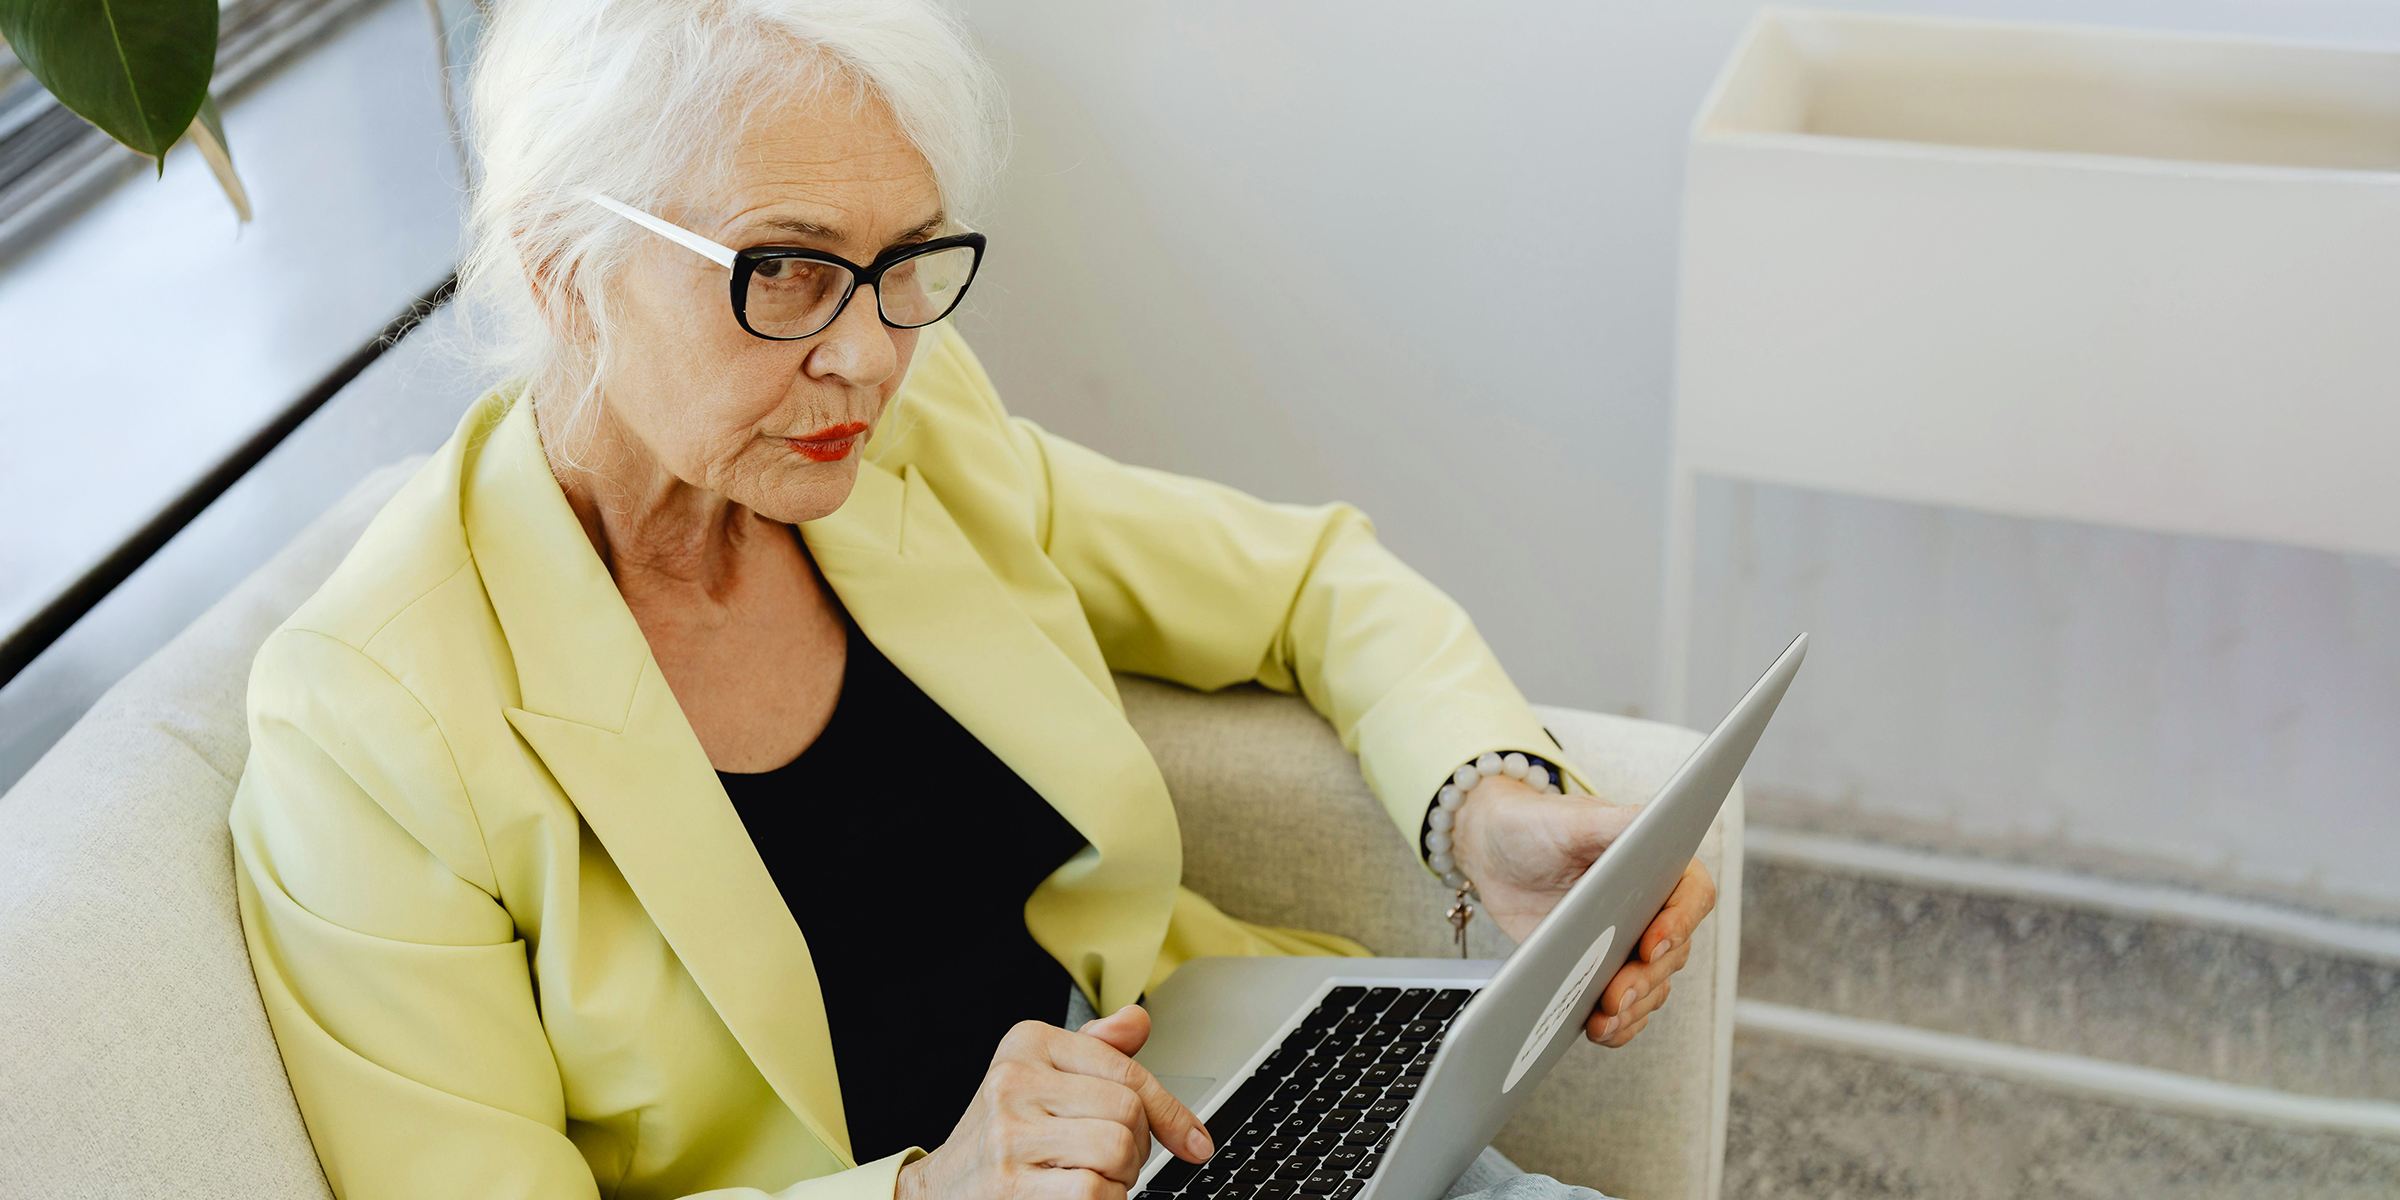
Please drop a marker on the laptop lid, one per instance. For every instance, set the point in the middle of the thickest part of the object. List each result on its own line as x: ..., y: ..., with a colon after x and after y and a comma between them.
x: 1533, y: 1010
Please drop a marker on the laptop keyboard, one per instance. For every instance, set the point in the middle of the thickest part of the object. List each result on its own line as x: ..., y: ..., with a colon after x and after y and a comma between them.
x: 1312, y: 1122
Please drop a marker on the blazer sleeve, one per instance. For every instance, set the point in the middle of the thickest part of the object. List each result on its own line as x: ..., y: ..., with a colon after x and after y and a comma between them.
x: 1203, y: 585
x: 393, y: 978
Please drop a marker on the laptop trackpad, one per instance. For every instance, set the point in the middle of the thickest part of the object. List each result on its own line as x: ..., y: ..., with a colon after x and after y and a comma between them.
x: 1190, y: 1089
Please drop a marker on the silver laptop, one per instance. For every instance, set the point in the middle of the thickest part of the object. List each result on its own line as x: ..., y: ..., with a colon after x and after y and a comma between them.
x: 1341, y: 1078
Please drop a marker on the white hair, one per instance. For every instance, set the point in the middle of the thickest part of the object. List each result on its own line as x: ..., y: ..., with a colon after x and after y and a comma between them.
x: 645, y: 101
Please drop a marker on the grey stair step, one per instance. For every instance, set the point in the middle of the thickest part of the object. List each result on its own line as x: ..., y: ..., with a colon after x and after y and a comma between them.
x: 2201, y: 999
x: 1812, y: 1121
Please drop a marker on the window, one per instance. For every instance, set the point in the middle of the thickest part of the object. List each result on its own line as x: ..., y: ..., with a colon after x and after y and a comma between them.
x: 51, y: 159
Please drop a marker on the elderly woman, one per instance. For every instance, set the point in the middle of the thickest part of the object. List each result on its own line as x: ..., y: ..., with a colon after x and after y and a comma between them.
x: 706, y: 774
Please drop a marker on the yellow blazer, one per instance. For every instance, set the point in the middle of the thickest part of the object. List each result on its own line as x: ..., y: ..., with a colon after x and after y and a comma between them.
x: 513, y: 939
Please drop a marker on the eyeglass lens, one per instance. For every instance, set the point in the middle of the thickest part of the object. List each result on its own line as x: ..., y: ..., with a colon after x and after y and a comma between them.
x: 797, y: 297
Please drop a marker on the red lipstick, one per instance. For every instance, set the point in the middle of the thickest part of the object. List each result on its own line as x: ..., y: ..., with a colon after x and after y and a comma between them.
x: 830, y: 444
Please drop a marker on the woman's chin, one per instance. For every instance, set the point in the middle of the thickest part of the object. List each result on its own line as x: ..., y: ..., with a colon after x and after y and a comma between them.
x: 812, y: 492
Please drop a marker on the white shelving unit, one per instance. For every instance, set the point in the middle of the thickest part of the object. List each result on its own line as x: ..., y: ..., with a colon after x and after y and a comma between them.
x: 2134, y: 279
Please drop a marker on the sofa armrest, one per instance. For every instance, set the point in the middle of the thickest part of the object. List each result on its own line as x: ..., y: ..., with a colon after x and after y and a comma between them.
x: 1278, y: 828
x: 136, y: 1056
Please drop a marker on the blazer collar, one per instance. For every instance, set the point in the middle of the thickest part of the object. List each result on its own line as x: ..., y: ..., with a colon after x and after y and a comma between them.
x: 593, y: 705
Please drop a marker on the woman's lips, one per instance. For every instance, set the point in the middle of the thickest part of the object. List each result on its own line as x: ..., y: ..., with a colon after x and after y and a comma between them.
x: 830, y: 444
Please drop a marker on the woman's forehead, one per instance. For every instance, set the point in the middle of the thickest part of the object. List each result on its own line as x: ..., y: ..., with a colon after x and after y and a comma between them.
x: 826, y: 169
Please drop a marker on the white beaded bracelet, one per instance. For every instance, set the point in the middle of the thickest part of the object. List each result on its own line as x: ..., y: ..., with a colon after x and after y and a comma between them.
x: 1444, y: 816
x: 1442, y: 819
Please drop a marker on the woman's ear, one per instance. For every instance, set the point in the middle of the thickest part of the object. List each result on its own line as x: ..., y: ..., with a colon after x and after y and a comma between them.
x: 548, y: 281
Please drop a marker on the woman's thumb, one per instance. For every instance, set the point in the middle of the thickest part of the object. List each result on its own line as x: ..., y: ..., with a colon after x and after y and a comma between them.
x: 1125, y: 1029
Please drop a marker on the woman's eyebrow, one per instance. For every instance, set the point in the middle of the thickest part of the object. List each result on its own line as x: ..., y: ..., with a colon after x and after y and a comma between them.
x: 803, y: 228
x: 921, y: 228
x: 810, y: 229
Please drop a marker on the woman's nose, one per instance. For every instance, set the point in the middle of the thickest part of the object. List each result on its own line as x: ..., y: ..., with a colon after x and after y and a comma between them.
x: 857, y: 348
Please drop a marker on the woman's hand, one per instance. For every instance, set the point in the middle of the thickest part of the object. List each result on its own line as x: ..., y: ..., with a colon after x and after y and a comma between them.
x: 1060, y: 1114
x: 1524, y: 850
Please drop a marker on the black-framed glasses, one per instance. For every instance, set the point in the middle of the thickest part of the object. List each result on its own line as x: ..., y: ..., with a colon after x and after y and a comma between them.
x: 785, y: 293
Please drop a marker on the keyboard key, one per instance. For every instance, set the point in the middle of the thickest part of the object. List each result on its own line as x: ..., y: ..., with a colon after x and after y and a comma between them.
x: 1276, y: 1149
x: 1366, y: 1134
x: 1253, y: 1171
x: 1364, y: 1096
x: 1173, y: 1176
x: 1337, y: 1120
x: 1344, y: 996
x: 1208, y: 1182
x: 1245, y: 1100
x: 1274, y: 1112
x: 1366, y: 1166
x: 1387, y: 1110
x: 1380, y: 1074
x: 1300, y: 1041
x: 1443, y: 1006
x: 1419, y: 1030
x: 1318, y: 1101
x: 1347, y: 1190
x: 1378, y: 1035
x: 1363, y: 1056
x: 1406, y: 1089
x: 1376, y: 1000
x: 1275, y: 1189
x: 1299, y: 1166
x: 1154, y: 1194
x: 1341, y: 1077
x: 1344, y: 1159
x: 1354, y: 1023
x: 1321, y: 1144
x: 1322, y: 1182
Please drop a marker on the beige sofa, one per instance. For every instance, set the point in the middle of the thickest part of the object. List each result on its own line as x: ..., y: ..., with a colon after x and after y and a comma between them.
x: 135, y: 1059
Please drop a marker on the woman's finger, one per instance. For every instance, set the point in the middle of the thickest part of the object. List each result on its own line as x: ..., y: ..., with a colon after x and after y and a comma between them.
x: 1125, y: 1030
x: 1635, y: 991
x: 1068, y: 1183
x: 1694, y: 897
x: 1106, y: 1148
x: 1617, y: 1040
x: 1173, y: 1124
x: 1074, y: 1096
x: 1647, y: 1001
x: 1636, y: 977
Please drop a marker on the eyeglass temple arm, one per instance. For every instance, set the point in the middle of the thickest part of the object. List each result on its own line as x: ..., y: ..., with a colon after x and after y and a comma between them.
x: 720, y: 255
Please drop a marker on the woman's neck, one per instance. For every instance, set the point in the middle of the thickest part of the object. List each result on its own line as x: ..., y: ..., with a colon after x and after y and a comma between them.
x: 650, y: 527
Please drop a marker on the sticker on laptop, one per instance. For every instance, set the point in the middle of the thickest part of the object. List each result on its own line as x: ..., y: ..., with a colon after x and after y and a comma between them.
x: 1562, y: 1006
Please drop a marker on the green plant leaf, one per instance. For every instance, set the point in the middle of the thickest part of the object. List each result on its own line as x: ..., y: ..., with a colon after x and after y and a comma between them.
x: 138, y: 69
x: 208, y: 137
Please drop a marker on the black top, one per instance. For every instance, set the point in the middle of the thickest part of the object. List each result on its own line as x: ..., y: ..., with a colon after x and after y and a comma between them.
x: 907, y: 850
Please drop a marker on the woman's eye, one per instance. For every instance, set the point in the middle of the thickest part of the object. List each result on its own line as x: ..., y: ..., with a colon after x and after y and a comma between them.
x: 790, y: 270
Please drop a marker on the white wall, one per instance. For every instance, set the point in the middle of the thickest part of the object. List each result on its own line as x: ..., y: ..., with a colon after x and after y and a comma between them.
x: 1421, y: 256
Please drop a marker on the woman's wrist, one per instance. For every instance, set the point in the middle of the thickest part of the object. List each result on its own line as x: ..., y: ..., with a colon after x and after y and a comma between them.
x: 1437, y: 836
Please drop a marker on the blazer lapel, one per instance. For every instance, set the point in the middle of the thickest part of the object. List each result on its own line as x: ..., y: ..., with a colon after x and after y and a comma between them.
x: 919, y: 590
x: 595, y: 708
